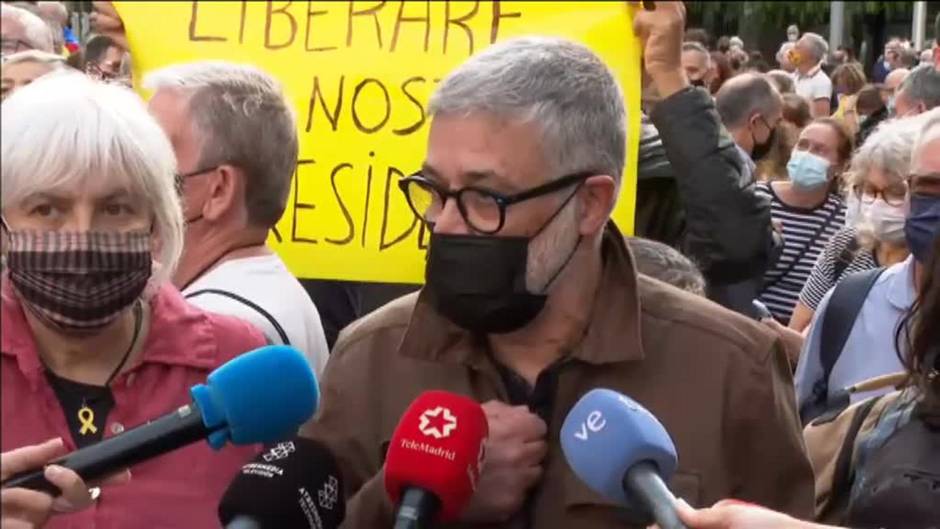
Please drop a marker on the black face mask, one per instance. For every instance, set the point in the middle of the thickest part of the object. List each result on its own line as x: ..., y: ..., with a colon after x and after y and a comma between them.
x: 479, y: 282
x: 761, y: 149
x: 698, y: 83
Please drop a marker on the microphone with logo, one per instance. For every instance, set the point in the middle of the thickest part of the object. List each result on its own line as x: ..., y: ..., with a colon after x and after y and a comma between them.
x: 434, y: 459
x: 621, y: 451
x: 259, y: 397
x: 294, y: 485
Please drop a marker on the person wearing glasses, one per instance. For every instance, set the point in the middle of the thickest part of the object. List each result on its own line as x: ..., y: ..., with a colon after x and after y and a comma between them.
x: 21, y: 30
x: 532, y: 298
x: 874, y: 232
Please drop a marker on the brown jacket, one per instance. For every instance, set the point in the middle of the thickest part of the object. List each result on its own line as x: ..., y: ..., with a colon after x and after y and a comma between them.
x: 719, y: 383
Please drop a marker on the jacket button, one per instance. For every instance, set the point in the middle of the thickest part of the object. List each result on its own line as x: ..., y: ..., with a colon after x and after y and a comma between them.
x: 117, y: 428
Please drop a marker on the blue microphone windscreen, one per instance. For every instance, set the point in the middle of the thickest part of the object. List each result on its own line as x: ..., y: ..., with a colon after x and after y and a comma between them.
x: 605, y: 434
x: 259, y: 397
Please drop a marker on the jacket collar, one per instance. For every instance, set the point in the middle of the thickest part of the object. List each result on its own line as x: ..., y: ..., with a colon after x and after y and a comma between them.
x: 179, y: 334
x: 612, y: 336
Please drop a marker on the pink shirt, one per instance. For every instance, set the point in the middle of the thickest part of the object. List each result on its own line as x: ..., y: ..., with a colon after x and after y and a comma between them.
x: 180, y: 489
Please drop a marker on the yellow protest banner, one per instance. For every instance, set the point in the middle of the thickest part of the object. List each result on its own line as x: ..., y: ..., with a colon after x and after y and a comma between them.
x: 360, y: 74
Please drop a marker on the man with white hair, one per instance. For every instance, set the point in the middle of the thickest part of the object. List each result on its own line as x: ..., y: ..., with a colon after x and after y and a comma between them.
x: 522, y: 171
x: 783, y: 57
x: 697, y: 63
x: 21, y: 30
x: 919, y: 92
x: 235, y: 139
x: 811, y: 81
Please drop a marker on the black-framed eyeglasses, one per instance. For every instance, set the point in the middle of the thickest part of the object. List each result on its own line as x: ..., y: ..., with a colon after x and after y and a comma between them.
x: 482, y: 209
x: 180, y: 177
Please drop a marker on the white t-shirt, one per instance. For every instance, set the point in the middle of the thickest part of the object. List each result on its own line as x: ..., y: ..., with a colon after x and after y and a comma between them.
x: 267, y: 283
x: 815, y: 85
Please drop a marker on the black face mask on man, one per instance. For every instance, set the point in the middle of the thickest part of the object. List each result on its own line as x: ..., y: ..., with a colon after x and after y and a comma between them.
x: 761, y: 149
x: 479, y: 282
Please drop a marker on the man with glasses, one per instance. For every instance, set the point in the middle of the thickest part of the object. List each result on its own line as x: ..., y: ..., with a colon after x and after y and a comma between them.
x: 21, y: 30
x: 235, y: 141
x: 532, y: 299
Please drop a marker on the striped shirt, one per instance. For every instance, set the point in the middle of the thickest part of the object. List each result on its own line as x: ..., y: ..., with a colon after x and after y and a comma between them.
x: 806, y: 232
x: 837, y: 255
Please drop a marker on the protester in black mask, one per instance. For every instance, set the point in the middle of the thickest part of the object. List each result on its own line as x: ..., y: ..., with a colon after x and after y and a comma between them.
x: 697, y: 64
x: 532, y: 299
x: 750, y: 108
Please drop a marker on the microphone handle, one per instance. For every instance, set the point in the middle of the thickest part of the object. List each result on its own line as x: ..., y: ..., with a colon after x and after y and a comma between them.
x: 243, y: 522
x: 416, y: 509
x: 174, y: 430
x: 643, y: 481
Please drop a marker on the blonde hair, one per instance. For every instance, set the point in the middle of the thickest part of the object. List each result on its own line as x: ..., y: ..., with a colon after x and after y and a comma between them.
x: 65, y: 127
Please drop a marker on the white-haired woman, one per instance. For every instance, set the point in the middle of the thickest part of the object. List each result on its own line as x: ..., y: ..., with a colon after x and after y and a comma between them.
x: 874, y: 231
x: 95, y: 339
x: 20, y: 69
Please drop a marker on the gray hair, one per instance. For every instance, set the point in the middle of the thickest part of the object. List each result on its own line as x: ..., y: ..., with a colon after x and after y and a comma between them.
x: 55, y: 61
x: 784, y: 49
x: 246, y: 122
x: 662, y: 262
x: 65, y: 128
x: 38, y: 34
x: 817, y: 45
x: 695, y: 46
x: 559, y: 85
x: 56, y: 16
x: 888, y: 149
x: 922, y: 85
x: 929, y: 131
x: 782, y: 81
x: 743, y: 95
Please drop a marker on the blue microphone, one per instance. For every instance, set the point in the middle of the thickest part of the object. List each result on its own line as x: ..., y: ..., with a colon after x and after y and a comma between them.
x: 258, y: 397
x: 622, y: 452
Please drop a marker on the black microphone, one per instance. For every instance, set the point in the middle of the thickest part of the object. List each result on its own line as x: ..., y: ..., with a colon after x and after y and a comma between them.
x: 294, y: 485
x: 259, y: 397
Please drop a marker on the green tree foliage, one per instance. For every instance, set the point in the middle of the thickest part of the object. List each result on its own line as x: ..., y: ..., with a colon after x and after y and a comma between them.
x: 781, y: 14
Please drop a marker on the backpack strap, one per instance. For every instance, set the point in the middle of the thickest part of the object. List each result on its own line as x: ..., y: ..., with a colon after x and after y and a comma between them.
x: 837, y: 321
x: 248, y: 303
x: 843, y: 474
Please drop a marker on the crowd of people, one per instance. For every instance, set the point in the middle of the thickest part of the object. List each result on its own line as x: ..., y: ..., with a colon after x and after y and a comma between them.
x: 778, y: 308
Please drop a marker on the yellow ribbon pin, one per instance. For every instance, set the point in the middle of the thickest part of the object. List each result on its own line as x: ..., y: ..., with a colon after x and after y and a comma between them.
x: 87, y: 418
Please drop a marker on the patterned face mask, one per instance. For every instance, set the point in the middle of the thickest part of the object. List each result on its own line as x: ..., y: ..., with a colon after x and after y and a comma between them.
x: 78, y: 282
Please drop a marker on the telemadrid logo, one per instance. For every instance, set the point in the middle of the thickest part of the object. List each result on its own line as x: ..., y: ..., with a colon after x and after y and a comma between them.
x: 443, y: 425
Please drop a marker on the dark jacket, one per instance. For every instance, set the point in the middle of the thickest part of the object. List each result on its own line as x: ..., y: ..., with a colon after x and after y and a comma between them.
x: 659, y: 214
x: 720, y: 385
x: 727, y: 228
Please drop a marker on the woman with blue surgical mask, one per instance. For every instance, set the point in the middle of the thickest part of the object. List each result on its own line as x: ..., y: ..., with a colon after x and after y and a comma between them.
x: 876, y: 192
x: 807, y: 208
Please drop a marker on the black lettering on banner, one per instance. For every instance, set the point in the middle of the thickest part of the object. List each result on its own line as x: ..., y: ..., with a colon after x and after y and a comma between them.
x: 241, y: 27
x: 267, y: 26
x: 365, y: 210
x: 459, y: 21
x: 310, y: 15
x: 298, y: 205
x: 399, y: 19
x: 192, y: 27
x: 497, y: 16
x: 421, y: 117
x: 355, y: 113
x: 385, y: 207
x: 373, y: 11
x: 277, y: 234
x: 317, y: 95
x: 342, y: 205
